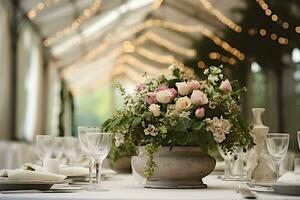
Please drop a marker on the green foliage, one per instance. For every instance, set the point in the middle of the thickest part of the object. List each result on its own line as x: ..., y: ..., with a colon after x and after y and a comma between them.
x: 169, y: 124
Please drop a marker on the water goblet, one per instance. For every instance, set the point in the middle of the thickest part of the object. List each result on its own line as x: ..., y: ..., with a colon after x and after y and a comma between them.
x: 298, y: 138
x: 84, y: 147
x: 58, y: 147
x: 44, y: 145
x: 70, y: 148
x: 277, y: 145
x: 99, y: 145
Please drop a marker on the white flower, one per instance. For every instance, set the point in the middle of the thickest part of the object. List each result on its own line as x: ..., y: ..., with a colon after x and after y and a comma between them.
x: 171, y: 77
x: 171, y: 68
x: 215, y: 70
x: 218, y: 127
x: 119, y: 139
x: 164, y: 96
x: 183, y: 88
x: 155, y: 109
x: 151, y: 130
x: 213, y: 78
x: 206, y: 71
x: 185, y: 114
x: 199, y: 98
x: 183, y: 103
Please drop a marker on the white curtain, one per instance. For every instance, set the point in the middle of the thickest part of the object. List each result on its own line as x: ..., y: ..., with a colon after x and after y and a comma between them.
x: 53, y: 100
x: 5, y: 72
x: 30, y: 84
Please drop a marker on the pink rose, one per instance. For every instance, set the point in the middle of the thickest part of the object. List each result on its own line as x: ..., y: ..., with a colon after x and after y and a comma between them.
x: 199, y: 98
x: 161, y: 87
x: 226, y: 86
x: 200, y: 112
x: 193, y: 85
x: 164, y: 96
x: 151, y: 98
x: 174, y: 92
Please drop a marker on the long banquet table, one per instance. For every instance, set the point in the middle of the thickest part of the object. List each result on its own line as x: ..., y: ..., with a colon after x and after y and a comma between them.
x: 121, y: 187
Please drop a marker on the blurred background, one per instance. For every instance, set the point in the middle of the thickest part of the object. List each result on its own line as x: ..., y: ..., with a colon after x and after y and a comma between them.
x: 60, y: 59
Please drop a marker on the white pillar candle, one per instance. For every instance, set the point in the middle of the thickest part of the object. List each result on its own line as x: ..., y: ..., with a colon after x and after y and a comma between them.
x: 51, y: 165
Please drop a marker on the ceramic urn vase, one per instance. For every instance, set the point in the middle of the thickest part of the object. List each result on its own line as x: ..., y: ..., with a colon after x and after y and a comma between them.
x: 182, y: 167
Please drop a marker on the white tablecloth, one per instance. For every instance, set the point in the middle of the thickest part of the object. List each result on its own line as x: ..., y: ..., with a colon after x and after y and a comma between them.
x: 121, y: 187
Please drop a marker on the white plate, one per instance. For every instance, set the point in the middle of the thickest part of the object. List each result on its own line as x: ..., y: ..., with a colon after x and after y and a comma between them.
x: 6, y: 184
x: 287, y: 188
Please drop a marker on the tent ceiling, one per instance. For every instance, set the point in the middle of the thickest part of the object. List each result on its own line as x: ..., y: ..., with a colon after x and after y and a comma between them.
x: 114, y: 19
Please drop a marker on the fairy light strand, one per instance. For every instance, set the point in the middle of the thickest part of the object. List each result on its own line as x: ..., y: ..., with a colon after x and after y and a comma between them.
x: 32, y: 13
x: 274, y: 17
x: 168, y: 25
x: 220, y: 16
x: 85, y: 15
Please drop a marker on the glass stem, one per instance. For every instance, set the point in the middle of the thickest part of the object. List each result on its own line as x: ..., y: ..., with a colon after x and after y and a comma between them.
x: 277, y: 170
x: 98, y: 172
x: 91, y: 169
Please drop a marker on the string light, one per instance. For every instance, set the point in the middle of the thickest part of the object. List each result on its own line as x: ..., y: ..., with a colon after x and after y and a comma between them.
x: 166, y: 43
x: 129, y: 46
x: 141, y: 65
x: 156, y: 4
x: 109, y: 40
x: 215, y: 12
x: 201, y: 64
x: 129, y: 72
x: 32, y: 13
x: 297, y: 29
x: 87, y: 13
x: 165, y: 59
x: 222, y: 58
x: 275, y: 18
x: 262, y: 32
x: 273, y: 36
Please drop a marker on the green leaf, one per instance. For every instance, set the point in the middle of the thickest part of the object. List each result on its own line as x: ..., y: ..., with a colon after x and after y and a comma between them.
x: 136, y: 122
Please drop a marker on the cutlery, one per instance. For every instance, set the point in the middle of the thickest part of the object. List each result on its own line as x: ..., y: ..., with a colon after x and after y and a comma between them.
x: 245, y: 192
x: 40, y: 191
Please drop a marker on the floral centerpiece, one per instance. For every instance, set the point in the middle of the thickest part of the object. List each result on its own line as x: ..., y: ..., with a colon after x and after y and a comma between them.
x: 174, y: 110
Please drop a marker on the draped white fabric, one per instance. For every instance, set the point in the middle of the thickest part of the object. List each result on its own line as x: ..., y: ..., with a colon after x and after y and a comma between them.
x: 5, y: 72
x: 53, y: 100
x: 30, y: 76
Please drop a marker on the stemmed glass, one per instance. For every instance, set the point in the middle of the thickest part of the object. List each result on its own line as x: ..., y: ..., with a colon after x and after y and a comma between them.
x: 58, y: 149
x: 70, y: 148
x: 98, y: 146
x: 277, y: 145
x: 44, y: 144
x: 298, y: 137
x: 84, y: 147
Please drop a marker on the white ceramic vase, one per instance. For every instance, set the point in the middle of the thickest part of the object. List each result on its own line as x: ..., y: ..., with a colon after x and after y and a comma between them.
x: 183, y: 167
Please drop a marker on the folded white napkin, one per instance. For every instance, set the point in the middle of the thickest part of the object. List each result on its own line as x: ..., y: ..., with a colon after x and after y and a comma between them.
x: 289, y: 177
x: 20, y: 174
x: 32, y: 167
x: 74, y: 171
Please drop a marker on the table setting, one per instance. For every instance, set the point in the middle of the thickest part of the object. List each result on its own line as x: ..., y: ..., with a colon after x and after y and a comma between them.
x: 186, y: 140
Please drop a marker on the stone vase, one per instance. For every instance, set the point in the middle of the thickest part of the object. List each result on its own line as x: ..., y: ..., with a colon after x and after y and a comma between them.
x: 182, y: 167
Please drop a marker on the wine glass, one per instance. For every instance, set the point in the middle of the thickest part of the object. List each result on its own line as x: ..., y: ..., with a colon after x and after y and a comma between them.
x: 277, y: 145
x: 84, y: 147
x: 44, y: 144
x: 58, y: 149
x: 298, y: 137
x: 99, y: 145
x: 70, y: 148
